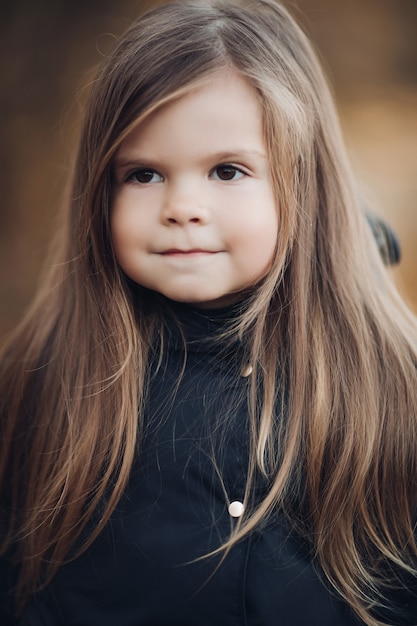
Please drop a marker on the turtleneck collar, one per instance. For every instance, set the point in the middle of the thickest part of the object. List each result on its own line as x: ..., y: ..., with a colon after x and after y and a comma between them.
x: 199, y: 327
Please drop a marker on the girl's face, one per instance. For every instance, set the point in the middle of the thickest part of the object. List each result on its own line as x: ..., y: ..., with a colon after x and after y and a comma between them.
x: 194, y: 215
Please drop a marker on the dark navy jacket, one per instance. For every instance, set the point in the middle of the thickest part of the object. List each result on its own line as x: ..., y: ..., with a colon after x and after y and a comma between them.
x: 142, y: 570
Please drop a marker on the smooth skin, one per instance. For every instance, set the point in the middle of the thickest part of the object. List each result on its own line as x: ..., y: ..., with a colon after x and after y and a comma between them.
x: 194, y: 215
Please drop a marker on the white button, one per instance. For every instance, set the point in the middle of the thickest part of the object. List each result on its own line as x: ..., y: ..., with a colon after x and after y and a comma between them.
x: 235, y: 508
x: 246, y: 370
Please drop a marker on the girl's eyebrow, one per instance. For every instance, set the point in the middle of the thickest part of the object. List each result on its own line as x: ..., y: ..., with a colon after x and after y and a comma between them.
x: 127, y: 160
x: 239, y: 152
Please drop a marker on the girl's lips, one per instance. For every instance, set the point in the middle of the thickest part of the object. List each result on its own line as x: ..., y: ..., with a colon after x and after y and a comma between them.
x: 192, y: 252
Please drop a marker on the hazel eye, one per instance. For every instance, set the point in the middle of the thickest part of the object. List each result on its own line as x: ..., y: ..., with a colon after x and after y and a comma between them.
x: 145, y: 176
x: 226, y: 172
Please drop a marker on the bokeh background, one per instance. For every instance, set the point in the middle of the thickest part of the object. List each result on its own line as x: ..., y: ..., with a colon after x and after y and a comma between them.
x: 49, y: 47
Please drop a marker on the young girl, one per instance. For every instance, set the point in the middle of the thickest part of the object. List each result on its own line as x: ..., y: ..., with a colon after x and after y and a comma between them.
x: 209, y: 414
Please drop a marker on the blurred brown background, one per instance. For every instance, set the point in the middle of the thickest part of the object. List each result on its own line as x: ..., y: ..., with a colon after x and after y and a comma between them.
x: 369, y: 49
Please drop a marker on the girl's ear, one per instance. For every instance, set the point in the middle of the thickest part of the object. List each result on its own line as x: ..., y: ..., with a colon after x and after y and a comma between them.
x: 387, y: 240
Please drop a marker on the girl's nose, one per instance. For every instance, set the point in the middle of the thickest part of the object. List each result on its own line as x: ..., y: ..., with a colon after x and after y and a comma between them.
x: 182, y: 207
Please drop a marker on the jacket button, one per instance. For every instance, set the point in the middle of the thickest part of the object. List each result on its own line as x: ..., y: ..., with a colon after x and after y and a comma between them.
x: 246, y: 370
x: 236, y: 508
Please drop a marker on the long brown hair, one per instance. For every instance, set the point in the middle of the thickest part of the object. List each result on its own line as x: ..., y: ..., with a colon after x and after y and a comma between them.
x: 326, y: 322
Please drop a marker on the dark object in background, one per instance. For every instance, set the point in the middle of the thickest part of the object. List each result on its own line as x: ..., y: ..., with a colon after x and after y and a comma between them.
x: 387, y: 241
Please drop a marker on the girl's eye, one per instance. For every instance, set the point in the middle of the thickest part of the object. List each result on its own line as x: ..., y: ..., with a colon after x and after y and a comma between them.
x: 227, y: 172
x: 145, y: 177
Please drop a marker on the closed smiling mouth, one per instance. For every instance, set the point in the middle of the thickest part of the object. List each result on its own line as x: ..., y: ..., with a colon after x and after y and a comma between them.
x: 189, y: 252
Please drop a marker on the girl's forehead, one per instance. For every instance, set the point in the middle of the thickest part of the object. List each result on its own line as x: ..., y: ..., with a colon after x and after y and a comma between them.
x: 224, y: 89
x: 216, y: 111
